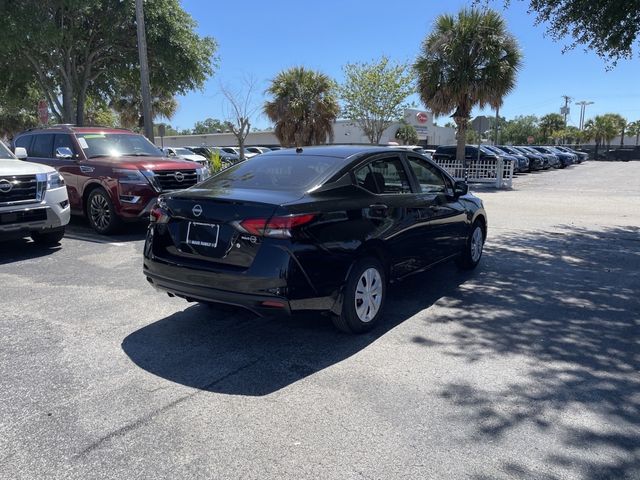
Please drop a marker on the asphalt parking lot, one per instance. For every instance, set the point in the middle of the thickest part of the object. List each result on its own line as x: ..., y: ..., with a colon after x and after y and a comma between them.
x: 526, y: 368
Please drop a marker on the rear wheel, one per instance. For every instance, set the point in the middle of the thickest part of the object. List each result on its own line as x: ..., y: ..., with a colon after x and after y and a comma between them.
x: 364, y: 297
x: 101, y: 214
x: 473, y: 247
x: 48, y: 239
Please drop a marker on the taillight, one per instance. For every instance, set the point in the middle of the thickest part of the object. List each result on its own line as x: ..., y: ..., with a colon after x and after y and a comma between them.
x: 275, y: 227
x: 158, y: 215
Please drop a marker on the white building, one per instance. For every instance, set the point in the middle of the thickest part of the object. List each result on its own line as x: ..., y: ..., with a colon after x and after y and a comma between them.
x: 344, y: 132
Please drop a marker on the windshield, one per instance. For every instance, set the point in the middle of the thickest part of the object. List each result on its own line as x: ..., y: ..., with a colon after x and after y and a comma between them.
x: 486, y: 149
x: 271, y: 172
x: 116, y: 145
x: 5, y: 153
x: 182, y: 151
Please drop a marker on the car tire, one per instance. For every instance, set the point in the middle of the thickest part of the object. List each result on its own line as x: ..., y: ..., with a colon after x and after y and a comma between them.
x: 473, y: 247
x: 101, y: 214
x: 364, y: 296
x: 48, y: 239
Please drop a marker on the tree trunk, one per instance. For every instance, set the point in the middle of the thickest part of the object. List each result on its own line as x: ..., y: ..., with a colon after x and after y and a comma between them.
x: 637, y: 138
x: 67, y: 103
x: 80, y: 102
x: 622, y: 137
x: 462, y: 138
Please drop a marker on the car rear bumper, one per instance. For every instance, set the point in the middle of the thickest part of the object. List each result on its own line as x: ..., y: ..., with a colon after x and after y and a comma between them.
x: 258, y: 295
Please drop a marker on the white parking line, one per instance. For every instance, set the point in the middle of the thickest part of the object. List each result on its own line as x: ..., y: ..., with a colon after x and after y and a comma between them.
x: 86, y: 238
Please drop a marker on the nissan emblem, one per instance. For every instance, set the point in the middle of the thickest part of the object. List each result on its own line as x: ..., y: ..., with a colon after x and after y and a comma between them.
x: 5, y: 186
x: 197, y: 210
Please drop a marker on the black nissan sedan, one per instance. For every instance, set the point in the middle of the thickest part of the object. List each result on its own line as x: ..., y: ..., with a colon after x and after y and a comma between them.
x: 319, y: 228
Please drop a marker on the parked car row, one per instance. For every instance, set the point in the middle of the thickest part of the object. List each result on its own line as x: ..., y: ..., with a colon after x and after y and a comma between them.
x: 525, y: 158
x: 228, y: 155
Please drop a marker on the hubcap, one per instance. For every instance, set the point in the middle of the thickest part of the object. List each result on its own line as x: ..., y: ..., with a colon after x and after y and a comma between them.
x: 476, y: 244
x: 100, y: 212
x: 368, y: 295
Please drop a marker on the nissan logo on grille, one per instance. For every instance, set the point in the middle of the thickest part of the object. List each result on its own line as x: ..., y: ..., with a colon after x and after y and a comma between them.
x: 5, y: 186
x: 197, y: 211
x: 179, y: 176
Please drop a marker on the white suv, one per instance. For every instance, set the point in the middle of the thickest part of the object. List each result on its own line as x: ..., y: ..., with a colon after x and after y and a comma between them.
x: 33, y: 200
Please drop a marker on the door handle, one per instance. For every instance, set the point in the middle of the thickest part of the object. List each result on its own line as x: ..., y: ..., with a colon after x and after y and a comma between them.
x: 378, y: 209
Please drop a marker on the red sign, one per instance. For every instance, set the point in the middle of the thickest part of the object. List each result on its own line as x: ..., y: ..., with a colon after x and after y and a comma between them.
x: 530, y: 140
x: 43, y: 112
x: 422, y: 117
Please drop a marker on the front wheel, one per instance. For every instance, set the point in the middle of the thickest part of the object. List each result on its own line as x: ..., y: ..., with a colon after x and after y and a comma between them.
x: 101, y: 214
x: 48, y: 239
x: 364, y: 296
x: 473, y: 247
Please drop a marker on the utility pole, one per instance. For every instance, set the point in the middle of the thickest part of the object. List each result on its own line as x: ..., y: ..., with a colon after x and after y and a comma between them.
x: 144, y: 72
x: 565, y: 111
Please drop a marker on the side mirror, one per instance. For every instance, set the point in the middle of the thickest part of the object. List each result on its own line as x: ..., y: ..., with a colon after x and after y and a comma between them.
x: 460, y: 188
x: 21, y: 153
x: 64, y: 153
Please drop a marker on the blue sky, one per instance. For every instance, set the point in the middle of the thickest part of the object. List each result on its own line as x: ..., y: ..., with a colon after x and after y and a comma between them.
x: 260, y: 38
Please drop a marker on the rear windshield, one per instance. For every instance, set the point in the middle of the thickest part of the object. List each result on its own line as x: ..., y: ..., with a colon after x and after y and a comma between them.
x: 276, y: 172
x: 116, y: 145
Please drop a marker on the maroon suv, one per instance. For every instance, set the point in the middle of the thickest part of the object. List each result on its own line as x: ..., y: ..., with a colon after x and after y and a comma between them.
x: 112, y: 175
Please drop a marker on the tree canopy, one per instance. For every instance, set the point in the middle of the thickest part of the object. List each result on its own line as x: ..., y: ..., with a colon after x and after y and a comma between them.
x: 374, y: 94
x: 209, y: 125
x: 74, y: 49
x: 407, y: 134
x: 608, y: 27
x: 469, y: 59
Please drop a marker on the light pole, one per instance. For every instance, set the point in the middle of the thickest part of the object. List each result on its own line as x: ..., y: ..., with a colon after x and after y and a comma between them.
x: 583, y: 107
x: 144, y: 73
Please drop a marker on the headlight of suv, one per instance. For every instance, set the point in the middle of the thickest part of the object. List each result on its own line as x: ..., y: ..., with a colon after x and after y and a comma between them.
x: 203, y: 174
x: 126, y: 175
x: 54, y: 180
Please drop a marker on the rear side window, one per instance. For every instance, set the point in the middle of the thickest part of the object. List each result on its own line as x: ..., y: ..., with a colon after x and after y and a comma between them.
x: 446, y: 150
x: 24, y: 142
x: 384, y: 176
x: 42, y: 145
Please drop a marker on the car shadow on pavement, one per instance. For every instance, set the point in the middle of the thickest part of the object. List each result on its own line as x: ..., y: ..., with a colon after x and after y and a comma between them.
x: 23, y: 249
x: 230, y: 351
x: 80, y: 229
x: 568, y: 303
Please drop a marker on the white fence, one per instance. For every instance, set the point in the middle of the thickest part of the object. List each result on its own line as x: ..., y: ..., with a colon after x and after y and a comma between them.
x: 498, y: 172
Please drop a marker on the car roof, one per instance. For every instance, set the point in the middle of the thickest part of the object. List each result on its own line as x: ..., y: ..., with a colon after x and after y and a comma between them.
x: 73, y: 129
x: 337, y: 151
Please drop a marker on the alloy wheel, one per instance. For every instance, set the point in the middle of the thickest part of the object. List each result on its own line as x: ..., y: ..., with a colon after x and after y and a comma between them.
x: 100, y: 211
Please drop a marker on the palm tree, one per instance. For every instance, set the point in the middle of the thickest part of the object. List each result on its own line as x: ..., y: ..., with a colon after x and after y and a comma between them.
x: 602, y: 129
x: 633, y: 129
x: 550, y: 124
x: 129, y: 108
x: 303, y: 108
x: 467, y: 60
x: 621, y: 125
